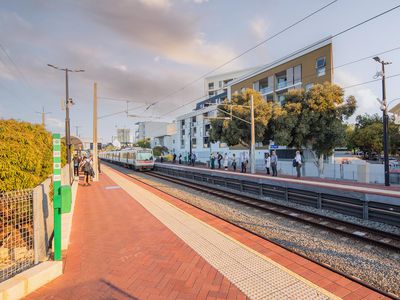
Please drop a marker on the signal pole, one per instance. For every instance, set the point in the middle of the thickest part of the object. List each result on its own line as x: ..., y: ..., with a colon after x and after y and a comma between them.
x: 43, y: 113
x: 253, y: 139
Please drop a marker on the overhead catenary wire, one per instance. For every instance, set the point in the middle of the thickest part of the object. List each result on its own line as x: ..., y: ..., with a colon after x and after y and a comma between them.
x: 244, y: 53
x: 240, y: 55
x: 333, y: 36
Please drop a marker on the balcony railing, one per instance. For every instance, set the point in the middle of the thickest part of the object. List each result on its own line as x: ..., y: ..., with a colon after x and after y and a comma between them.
x: 266, y: 90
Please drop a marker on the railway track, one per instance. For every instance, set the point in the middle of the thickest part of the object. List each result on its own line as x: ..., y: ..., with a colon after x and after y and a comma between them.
x: 375, y: 236
x: 320, y: 221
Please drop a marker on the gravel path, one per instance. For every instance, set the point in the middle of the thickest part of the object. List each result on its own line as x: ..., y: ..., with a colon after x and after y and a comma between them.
x: 373, y: 264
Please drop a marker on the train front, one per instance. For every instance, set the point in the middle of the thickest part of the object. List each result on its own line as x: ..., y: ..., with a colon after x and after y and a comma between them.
x: 145, y: 159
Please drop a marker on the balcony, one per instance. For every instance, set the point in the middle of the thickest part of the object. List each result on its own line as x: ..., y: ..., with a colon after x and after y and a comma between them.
x: 266, y: 90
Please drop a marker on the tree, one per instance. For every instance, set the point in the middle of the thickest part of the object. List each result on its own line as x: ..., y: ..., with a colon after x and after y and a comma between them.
x: 145, y: 143
x: 234, y: 131
x: 314, y: 119
x: 158, y: 150
x: 368, y: 134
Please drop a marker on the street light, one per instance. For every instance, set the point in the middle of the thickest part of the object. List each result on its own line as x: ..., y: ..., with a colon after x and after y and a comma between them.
x: 384, y: 108
x: 68, y: 102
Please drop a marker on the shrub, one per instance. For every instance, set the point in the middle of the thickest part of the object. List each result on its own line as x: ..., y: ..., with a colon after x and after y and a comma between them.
x: 25, y: 155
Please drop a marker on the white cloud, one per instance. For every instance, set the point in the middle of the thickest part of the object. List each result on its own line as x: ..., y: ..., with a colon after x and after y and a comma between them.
x: 54, y: 123
x: 258, y: 27
x: 366, y: 98
x: 156, y: 59
x: 159, y: 4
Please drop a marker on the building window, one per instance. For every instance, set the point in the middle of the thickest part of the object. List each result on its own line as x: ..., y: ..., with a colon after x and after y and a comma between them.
x: 182, y: 123
x: 206, y: 142
x: 194, y: 143
x: 194, y: 119
x: 320, y: 65
x: 211, y: 85
x: 220, y: 84
x: 182, y: 143
x: 210, y: 93
x: 173, y: 141
x: 281, y: 80
x: 182, y: 132
x: 297, y: 74
x: 194, y: 131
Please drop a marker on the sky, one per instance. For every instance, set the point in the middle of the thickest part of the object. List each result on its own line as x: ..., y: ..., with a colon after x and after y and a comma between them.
x: 145, y: 50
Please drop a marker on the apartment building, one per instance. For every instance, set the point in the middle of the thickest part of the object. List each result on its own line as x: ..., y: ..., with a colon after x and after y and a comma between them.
x: 218, y: 84
x: 159, y: 133
x: 194, y: 128
x: 301, y: 69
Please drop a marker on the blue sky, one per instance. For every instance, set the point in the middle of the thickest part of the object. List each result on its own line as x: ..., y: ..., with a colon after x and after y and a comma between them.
x: 145, y: 49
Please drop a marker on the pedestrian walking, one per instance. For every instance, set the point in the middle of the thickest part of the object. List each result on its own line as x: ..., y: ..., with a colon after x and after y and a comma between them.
x: 297, y: 163
x: 161, y: 158
x: 267, y: 162
x: 180, y: 158
x: 219, y: 158
x: 87, y: 167
x: 234, y: 162
x: 212, y: 160
x: 226, y: 162
x: 194, y: 157
x: 76, y: 165
x: 174, y: 158
x: 274, y: 164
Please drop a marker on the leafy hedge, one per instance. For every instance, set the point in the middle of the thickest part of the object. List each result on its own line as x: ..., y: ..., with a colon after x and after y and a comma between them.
x: 25, y: 155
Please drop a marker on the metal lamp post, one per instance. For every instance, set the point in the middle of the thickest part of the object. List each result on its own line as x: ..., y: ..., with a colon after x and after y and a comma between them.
x: 384, y: 108
x: 67, y: 120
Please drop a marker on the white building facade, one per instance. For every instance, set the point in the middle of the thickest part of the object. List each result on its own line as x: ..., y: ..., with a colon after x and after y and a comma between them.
x: 159, y: 133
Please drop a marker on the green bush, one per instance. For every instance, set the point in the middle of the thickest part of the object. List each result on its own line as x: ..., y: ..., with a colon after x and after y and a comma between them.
x: 25, y: 155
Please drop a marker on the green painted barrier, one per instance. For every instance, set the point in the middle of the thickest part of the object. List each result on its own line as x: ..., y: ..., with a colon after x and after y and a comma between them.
x: 57, y: 196
x: 66, y: 196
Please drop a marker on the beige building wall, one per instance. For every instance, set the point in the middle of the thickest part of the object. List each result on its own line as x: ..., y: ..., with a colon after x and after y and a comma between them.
x: 308, y: 70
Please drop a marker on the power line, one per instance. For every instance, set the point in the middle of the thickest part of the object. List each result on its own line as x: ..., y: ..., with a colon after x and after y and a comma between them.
x: 121, y: 112
x: 333, y: 36
x: 243, y: 53
x: 15, y: 66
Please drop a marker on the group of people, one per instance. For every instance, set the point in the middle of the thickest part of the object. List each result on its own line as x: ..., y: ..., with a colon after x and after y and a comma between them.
x: 85, y: 164
x: 217, y: 160
x: 188, y: 158
x: 271, y: 163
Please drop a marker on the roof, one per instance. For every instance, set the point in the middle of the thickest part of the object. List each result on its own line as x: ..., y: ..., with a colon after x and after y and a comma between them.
x: 294, y: 55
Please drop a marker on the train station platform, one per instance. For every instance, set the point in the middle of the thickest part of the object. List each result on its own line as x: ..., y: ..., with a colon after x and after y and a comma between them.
x: 132, y: 241
x: 368, y: 188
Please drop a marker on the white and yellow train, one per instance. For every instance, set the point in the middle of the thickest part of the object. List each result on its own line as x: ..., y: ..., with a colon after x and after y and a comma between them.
x: 135, y: 158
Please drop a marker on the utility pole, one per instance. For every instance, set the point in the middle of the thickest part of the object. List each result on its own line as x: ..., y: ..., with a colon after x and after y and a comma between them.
x: 67, y: 120
x: 77, y: 131
x: 385, y: 119
x: 95, y: 155
x: 43, y: 113
x: 253, y: 139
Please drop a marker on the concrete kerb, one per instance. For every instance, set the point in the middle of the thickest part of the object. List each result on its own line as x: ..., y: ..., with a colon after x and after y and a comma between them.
x: 30, y: 280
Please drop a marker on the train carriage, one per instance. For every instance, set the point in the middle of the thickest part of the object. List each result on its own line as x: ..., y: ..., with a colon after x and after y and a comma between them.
x: 135, y: 158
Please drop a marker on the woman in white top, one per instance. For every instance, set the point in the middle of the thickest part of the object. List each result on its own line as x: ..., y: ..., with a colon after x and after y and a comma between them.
x: 267, y: 162
x: 298, y: 163
x: 226, y: 162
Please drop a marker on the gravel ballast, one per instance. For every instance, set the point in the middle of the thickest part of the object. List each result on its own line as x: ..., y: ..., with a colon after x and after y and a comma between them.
x: 373, y: 264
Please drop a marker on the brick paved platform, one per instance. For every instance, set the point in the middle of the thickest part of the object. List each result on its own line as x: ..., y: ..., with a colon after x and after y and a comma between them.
x: 121, y: 249
x: 118, y: 250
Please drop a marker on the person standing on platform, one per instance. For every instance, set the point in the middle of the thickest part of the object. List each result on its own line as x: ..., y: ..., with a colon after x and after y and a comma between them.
x: 185, y: 158
x: 161, y: 158
x: 226, y: 162
x: 194, y: 157
x: 174, y: 158
x: 297, y: 162
x: 76, y: 165
x: 219, y: 158
x: 274, y: 164
x: 180, y: 158
x: 267, y: 162
x: 212, y: 161
x: 234, y: 162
